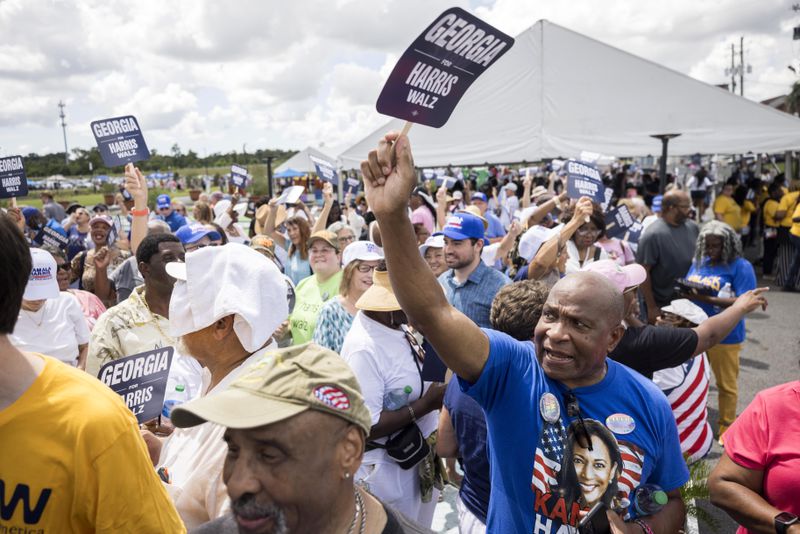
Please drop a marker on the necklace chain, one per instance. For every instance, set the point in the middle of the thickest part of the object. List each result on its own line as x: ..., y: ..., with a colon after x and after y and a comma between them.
x: 164, y: 336
x: 361, y: 509
x: 32, y: 315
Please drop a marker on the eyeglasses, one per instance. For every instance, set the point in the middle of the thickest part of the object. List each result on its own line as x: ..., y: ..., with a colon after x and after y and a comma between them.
x: 574, y: 410
x: 164, y: 208
x: 364, y: 268
x: 348, y: 239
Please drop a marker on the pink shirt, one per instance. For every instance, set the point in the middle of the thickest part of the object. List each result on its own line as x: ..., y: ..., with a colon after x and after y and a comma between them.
x: 765, y: 438
x: 423, y: 215
x: 618, y: 251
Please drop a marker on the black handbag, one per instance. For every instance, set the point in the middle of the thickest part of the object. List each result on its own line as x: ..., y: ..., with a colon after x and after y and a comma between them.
x: 407, y: 446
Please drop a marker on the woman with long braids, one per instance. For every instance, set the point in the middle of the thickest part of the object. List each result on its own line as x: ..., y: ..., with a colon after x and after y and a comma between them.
x: 720, y: 267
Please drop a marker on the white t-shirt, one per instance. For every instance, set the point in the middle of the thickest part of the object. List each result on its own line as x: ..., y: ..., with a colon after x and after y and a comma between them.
x: 55, y: 330
x: 382, y: 360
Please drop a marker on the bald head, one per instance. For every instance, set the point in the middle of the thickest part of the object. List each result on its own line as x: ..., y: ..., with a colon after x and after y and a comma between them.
x: 596, y: 292
x: 673, y: 198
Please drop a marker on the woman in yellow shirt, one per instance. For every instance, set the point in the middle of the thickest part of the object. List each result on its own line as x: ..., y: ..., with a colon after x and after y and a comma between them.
x: 794, y: 239
x: 771, y: 226
x: 727, y: 210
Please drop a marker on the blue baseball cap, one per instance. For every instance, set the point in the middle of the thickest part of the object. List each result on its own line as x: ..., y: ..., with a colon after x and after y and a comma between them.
x: 163, y: 201
x: 191, y: 233
x: 479, y: 196
x: 656, y: 205
x: 463, y: 225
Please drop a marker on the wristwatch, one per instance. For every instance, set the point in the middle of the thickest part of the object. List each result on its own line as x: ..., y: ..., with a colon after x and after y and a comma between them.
x: 783, y: 521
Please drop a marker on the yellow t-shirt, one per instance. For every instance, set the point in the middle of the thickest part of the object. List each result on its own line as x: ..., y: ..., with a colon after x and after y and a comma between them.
x: 72, y: 460
x: 770, y: 207
x: 729, y: 210
x: 746, y: 210
x: 788, y: 203
x: 795, y: 231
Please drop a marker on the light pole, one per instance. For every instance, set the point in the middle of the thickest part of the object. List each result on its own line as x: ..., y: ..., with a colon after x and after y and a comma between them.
x: 662, y: 168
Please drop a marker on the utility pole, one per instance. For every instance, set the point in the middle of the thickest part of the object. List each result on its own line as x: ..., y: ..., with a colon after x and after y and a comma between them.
x: 741, y: 66
x: 64, y: 129
x: 733, y: 70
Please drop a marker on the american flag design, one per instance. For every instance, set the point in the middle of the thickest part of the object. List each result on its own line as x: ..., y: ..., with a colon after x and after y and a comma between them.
x: 632, y: 461
x: 333, y: 397
x: 549, y: 455
x: 686, y: 389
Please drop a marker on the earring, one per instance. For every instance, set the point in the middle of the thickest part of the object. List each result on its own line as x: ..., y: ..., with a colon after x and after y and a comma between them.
x: 346, y: 476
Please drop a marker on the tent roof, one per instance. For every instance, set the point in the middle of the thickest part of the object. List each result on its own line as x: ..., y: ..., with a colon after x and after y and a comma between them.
x: 289, y: 173
x: 557, y: 93
x: 301, y: 161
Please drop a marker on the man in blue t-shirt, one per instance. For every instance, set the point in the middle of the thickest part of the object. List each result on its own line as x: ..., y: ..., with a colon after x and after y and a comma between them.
x: 568, y: 428
x: 496, y: 231
x: 167, y: 214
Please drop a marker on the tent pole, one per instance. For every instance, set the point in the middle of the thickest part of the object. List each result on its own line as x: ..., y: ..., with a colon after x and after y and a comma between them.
x: 662, y: 169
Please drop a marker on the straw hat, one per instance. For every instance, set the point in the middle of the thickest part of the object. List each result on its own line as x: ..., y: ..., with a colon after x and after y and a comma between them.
x: 477, y: 213
x: 380, y: 296
x: 263, y: 212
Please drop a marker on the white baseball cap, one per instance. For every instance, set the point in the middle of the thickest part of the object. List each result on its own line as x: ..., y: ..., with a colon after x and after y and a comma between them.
x: 686, y: 309
x: 532, y: 240
x: 434, y: 241
x: 361, y: 250
x: 231, y: 280
x: 458, y: 195
x: 43, y: 281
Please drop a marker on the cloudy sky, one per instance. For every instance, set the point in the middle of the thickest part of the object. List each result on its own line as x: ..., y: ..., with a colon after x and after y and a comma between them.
x: 214, y: 76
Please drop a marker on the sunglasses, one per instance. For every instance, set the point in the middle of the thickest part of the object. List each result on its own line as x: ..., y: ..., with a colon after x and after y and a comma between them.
x: 574, y: 410
x: 416, y: 348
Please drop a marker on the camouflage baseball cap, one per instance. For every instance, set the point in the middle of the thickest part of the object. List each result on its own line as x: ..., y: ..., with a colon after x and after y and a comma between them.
x: 284, y: 383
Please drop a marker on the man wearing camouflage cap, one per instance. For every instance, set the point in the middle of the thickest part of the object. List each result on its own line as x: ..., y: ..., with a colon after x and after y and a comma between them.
x: 296, y: 429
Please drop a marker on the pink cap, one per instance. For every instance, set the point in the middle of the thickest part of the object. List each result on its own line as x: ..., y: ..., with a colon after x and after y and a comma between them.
x: 622, y: 277
x: 101, y: 218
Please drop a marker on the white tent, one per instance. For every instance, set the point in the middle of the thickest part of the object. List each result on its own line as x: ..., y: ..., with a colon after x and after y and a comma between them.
x: 301, y: 161
x: 557, y: 93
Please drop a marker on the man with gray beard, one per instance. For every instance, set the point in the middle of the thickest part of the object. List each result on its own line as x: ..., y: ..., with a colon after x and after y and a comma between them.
x: 296, y: 430
x: 225, y: 304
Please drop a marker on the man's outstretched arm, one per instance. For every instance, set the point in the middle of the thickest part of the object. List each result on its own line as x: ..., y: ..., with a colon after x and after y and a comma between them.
x: 389, y: 178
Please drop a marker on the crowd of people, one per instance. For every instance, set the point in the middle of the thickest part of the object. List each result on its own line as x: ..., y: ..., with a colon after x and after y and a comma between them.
x: 336, y: 366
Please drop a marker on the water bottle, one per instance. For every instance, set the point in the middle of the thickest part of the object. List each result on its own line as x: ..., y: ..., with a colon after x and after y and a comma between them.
x: 172, y: 399
x: 725, y: 293
x: 649, y: 499
x: 396, y: 398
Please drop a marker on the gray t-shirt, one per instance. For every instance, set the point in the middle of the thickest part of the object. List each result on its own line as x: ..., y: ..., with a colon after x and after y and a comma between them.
x: 669, y: 250
x: 125, y: 278
x: 53, y: 210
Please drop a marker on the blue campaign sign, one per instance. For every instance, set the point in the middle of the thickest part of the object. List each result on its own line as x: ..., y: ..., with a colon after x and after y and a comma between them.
x: 439, y: 66
x: 141, y: 381
x: 120, y: 141
x: 584, y: 180
x: 352, y: 185
x: 622, y: 225
x: 52, y: 237
x: 239, y: 176
x: 325, y: 170
x: 13, y: 182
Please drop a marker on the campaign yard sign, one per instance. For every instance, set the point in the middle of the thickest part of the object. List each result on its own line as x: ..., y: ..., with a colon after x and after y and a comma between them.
x: 239, y: 176
x: 13, y: 182
x: 51, y: 237
x: 352, y: 186
x: 141, y: 381
x: 622, y: 225
x: 439, y: 66
x: 584, y: 180
x: 325, y: 170
x: 120, y: 141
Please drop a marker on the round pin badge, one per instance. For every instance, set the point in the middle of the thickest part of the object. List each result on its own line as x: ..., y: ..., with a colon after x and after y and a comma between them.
x: 620, y: 423
x: 549, y: 407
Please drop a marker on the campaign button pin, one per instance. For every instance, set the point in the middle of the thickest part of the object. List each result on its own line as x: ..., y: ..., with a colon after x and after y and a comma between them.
x: 549, y: 408
x: 620, y: 423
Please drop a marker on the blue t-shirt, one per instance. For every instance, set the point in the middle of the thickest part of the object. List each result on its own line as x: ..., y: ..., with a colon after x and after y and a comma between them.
x: 496, y: 228
x: 175, y: 220
x: 470, y: 428
x: 539, y: 478
x: 297, y: 268
x: 739, y: 274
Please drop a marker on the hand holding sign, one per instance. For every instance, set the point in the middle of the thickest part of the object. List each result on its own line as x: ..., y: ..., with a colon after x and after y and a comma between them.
x: 135, y: 184
x: 13, y: 182
x: 141, y: 380
x: 388, y: 186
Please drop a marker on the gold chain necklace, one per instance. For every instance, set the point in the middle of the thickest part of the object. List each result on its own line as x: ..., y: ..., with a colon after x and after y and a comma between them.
x: 155, y: 320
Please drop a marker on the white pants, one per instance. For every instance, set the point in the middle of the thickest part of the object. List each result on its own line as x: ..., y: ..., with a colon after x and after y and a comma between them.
x: 468, y: 523
x: 398, y: 488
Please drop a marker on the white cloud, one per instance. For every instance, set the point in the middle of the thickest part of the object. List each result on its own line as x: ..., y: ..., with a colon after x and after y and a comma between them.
x: 215, y: 75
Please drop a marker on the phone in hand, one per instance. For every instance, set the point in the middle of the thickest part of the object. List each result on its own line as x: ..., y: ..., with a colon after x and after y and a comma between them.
x: 595, y: 521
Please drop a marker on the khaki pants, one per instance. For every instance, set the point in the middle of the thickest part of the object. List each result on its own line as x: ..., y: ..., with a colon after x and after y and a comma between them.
x: 724, y: 361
